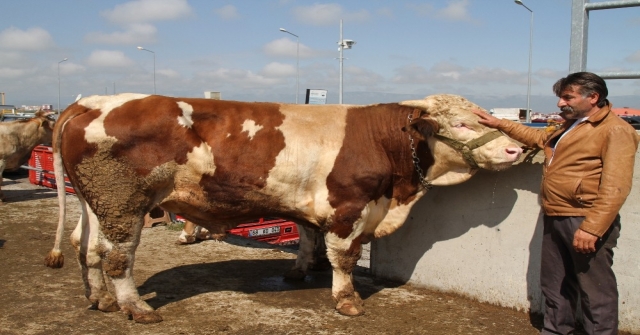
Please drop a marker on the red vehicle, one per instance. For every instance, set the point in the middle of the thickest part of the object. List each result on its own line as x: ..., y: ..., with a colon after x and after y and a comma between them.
x: 271, y: 230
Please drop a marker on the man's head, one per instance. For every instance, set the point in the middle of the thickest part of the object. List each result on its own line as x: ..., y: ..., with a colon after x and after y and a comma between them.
x: 581, y: 94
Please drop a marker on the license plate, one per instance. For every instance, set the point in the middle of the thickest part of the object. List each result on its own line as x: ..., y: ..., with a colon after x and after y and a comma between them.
x: 264, y: 231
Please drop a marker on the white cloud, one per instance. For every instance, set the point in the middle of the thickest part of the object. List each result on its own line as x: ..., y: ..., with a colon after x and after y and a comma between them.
x: 13, y: 73
x: 70, y: 68
x: 169, y: 73
x: 148, y: 11
x: 327, y: 14
x: 451, y: 73
x: 634, y: 57
x: 242, y: 78
x: 385, y: 12
x: 286, y: 47
x: 108, y: 58
x: 456, y: 10
x: 32, y: 39
x: 228, y: 12
x: 134, y: 34
x: 276, y: 69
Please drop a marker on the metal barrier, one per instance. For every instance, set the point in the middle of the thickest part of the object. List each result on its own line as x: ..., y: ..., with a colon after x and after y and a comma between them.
x: 580, y: 33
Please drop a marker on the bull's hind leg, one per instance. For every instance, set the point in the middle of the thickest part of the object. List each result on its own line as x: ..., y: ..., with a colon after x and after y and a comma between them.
x: 344, y: 254
x: 86, y: 241
x: 123, y: 231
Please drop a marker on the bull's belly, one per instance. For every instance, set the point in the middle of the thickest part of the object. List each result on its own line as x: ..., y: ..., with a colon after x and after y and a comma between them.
x: 231, y: 211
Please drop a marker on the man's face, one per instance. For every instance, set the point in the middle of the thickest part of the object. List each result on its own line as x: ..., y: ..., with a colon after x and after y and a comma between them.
x: 575, y: 106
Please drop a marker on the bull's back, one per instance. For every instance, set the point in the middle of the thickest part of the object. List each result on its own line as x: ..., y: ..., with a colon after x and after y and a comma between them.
x: 206, y: 155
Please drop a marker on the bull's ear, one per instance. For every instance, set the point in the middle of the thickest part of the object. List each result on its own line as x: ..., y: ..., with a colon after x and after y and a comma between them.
x: 422, y: 128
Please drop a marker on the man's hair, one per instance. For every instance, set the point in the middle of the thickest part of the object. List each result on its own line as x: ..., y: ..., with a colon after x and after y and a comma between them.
x: 586, y: 83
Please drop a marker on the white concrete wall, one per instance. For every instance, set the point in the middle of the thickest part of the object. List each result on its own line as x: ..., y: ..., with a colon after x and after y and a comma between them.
x: 482, y: 239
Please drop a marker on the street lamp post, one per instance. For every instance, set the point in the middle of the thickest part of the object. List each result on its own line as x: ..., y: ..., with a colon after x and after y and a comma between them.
x: 528, y: 114
x: 64, y: 60
x: 154, y: 67
x: 342, y: 44
x: 297, y: 60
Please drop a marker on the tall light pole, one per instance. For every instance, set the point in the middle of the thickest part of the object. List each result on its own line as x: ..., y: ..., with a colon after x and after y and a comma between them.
x: 528, y: 115
x: 297, y: 61
x: 64, y: 60
x: 154, y: 67
x: 342, y: 44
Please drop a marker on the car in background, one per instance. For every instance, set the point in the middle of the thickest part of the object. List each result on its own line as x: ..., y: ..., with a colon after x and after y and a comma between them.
x: 14, y: 117
x: 633, y: 121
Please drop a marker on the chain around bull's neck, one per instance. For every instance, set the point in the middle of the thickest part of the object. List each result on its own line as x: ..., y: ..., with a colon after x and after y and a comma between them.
x: 416, y: 161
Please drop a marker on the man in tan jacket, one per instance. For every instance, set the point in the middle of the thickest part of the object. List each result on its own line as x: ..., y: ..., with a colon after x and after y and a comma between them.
x: 587, y: 176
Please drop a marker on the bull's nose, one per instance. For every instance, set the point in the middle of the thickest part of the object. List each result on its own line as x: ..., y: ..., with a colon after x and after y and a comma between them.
x: 513, y: 152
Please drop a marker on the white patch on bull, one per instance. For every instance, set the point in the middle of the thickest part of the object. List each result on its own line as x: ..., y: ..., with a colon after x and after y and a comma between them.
x: 313, y: 138
x: 95, y: 131
x: 200, y: 160
x: 251, y: 127
x: 185, y: 119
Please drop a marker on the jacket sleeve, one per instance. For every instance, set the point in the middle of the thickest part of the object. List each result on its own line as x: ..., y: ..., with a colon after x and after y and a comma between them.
x: 534, y: 138
x: 618, y: 157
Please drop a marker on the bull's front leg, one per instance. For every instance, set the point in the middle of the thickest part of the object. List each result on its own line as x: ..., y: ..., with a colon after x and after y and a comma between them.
x: 344, y: 254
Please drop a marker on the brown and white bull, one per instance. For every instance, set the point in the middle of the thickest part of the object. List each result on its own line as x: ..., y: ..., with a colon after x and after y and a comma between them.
x: 18, y: 138
x: 350, y: 172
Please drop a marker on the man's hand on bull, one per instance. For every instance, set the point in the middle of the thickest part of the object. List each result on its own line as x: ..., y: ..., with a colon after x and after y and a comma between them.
x: 486, y: 118
x: 584, y: 242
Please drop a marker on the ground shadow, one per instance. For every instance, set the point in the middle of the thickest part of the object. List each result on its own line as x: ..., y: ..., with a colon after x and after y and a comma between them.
x: 246, y: 276
x: 24, y: 195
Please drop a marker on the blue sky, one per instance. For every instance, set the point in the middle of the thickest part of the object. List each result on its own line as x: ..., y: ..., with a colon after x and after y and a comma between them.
x: 404, y: 49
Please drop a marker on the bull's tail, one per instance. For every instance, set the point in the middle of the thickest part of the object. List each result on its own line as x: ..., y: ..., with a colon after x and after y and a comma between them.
x: 55, y: 258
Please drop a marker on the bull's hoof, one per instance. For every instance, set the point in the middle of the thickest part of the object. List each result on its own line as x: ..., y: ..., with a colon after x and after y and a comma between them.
x: 350, y: 308
x: 108, y: 304
x: 54, y: 259
x: 147, y: 317
x: 140, y: 312
x: 218, y: 237
x: 186, y: 239
x: 295, y: 274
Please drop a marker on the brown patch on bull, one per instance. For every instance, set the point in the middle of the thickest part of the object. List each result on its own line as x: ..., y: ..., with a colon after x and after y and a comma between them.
x: 242, y: 162
x: 115, y: 263
x: 374, y: 161
x: 139, y: 121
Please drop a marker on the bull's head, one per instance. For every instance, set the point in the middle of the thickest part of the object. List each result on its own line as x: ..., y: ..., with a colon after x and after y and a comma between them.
x: 459, y: 144
x: 47, y: 122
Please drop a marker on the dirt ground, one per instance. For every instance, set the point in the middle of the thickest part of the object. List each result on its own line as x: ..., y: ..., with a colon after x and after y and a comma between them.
x: 230, y: 287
